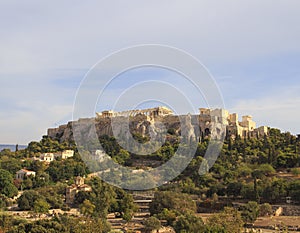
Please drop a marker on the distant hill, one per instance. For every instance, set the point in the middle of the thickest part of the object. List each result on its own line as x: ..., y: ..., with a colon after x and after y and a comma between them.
x: 11, y: 147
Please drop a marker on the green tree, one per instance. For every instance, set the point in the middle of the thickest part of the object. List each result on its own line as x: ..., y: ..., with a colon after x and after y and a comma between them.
x: 229, y: 220
x: 87, y: 208
x: 250, y: 212
x: 256, y: 175
x: 38, y: 166
x: 122, y: 156
x: 265, y: 210
x: 123, y: 204
x: 294, y: 190
x: 27, y: 183
x: 10, y: 164
x: 66, y: 169
x: 81, y: 196
x: 102, y: 196
x: 53, y: 196
x: 234, y: 189
x: 27, y: 199
x: 151, y: 224
x: 40, y: 206
x: 6, y: 184
x: 168, y: 215
x: 275, y: 190
x: 41, y: 180
x: 172, y: 201
x: 189, y: 223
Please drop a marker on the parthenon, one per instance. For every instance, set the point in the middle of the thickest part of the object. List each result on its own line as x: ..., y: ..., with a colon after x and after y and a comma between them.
x: 151, y: 112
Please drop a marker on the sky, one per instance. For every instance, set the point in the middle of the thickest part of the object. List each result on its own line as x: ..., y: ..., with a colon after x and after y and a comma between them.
x: 251, y: 48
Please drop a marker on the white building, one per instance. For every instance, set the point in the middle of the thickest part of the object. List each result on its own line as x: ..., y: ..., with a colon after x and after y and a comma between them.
x: 64, y: 154
x: 47, y: 157
x: 23, y: 172
x: 67, y: 154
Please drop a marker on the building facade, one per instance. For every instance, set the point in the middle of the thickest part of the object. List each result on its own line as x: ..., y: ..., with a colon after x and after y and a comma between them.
x: 67, y: 154
x: 21, y: 174
x: 244, y: 128
x: 150, y: 112
x: 72, y: 190
x: 47, y: 157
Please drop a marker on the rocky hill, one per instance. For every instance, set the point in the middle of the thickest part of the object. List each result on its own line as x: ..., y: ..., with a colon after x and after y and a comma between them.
x: 157, y: 121
x: 138, y: 125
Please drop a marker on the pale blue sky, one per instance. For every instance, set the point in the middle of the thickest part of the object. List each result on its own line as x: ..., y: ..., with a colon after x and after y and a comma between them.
x: 251, y: 48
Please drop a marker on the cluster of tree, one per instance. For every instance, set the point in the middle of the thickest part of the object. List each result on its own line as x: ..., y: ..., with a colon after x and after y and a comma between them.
x: 105, y: 199
x: 179, y: 211
x: 7, y: 188
x: 281, y: 150
x: 47, y: 144
x: 47, y: 189
x: 113, y: 149
x: 63, y: 224
x: 52, y: 197
x: 61, y: 170
x: 247, y: 169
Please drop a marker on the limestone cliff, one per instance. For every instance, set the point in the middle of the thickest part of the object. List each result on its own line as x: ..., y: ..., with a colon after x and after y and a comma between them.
x: 151, y: 123
x: 141, y: 125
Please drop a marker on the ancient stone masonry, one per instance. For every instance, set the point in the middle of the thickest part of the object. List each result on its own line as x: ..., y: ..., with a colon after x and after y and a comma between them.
x: 245, y: 128
x: 151, y: 112
x: 213, y: 122
x: 72, y: 190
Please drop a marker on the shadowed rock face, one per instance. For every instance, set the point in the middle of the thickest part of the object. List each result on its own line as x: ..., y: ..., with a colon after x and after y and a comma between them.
x: 139, y: 124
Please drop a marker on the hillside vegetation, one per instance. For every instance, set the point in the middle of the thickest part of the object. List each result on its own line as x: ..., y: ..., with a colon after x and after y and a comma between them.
x: 254, y: 171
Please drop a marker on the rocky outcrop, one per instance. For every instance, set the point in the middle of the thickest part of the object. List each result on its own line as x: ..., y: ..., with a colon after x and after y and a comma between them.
x: 141, y: 125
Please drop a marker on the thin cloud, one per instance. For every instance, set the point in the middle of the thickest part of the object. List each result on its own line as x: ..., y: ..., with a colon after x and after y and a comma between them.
x: 46, y: 47
x: 279, y: 109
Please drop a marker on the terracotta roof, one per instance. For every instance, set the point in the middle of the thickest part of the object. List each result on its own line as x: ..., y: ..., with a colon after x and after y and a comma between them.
x: 24, y: 170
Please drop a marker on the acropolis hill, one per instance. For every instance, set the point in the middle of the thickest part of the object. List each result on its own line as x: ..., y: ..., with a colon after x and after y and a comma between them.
x: 140, y: 121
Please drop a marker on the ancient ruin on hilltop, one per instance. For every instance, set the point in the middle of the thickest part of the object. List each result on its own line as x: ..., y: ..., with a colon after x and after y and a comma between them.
x: 151, y: 112
x: 142, y: 120
x: 245, y: 128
